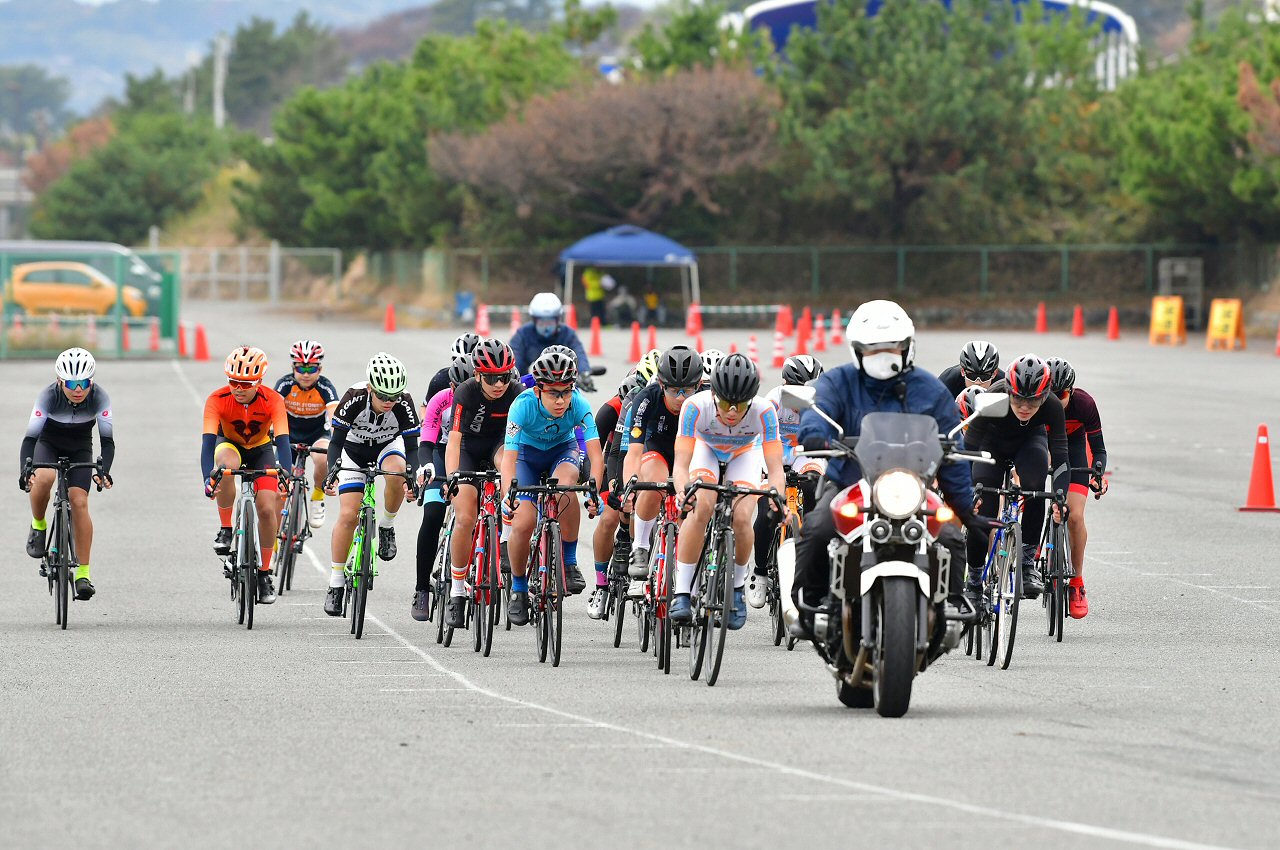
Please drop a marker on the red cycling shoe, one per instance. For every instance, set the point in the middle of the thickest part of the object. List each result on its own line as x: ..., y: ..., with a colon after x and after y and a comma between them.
x: 1077, y: 604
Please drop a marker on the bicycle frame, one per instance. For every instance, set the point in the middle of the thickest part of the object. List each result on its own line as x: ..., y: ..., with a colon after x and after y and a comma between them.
x: 60, y: 559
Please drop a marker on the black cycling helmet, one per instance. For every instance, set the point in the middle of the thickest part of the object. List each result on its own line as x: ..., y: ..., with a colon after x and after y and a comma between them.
x: 801, y: 369
x: 1028, y: 377
x: 979, y: 360
x: 461, y: 368
x: 632, y: 382
x: 966, y: 401
x: 554, y: 367
x: 736, y: 379
x: 680, y: 366
x: 1062, y: 376
x: 492, y: 356
x: 465, y: 344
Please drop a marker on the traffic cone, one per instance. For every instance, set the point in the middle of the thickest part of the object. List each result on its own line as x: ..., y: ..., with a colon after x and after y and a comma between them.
x: 1262, y: 495
x: 597, y: 349
x: 124, y: 335
x: 636, y: 353
x: 693, y: 321
x: 182, y: 339
x: 202, y: 344
x: 153, y: 344
x: 779, y: 355
x: 733, y: 348
x: 653, y: 338
x: 389, y: 320
x: 697, y: 343
x: 571, y: 316
x: 802, y: 341
x: 785, y: 324
x: 805, y: 325
x: 819, y: 335
x: 1042, y: 323
x: 753, y: 351
x: 1277, y: 342
x: 91, y: 331
x: 1077, y: 321
x: 482, y: 320
x: 515, y: 321
x: 837, y: 328
x: 1113, y: 324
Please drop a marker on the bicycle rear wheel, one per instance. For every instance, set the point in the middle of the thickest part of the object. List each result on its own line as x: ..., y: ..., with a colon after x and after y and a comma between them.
x: 1010, y: 596
x: 666, y: 589
x: 722, y: 603
x: 555, y: 595
x: 702, y: 579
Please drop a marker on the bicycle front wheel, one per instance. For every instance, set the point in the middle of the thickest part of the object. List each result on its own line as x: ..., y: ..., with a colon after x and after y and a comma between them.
x: 487, y: 594
x: 1061, y: 568
x: 772, y: 592
x: 1010, y: 596
x: 702, y: 581
x: 555, y: 595
x: 618, y: 604
x: 722, y: 603
x: 61, y: 593
x: 363, y: 578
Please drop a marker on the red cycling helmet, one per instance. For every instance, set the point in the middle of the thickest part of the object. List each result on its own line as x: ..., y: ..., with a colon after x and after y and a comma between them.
x: 493, y: 357
x: 1028, y: 377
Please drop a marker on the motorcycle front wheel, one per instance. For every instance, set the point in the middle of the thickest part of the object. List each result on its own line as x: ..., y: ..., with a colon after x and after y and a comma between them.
x: 895, y: 645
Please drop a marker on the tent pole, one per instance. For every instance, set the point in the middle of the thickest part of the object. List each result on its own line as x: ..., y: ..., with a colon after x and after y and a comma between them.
x: 697, y: 289
x: 568, y: 283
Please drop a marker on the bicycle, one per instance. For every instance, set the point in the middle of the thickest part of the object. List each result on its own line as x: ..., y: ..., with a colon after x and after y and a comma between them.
x: 711, y: 595
x: 545, y: 570
x: 651, y: 609
x: 485, y: 584
x: 59, y: 562
x: 362, y: 556
x: 295, y: 530
x: 441, y: 583
x: 1054, y: 558
x: 786, y: 530
x: 241, y: 566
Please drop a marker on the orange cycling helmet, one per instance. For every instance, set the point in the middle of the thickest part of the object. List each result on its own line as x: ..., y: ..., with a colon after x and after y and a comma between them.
x: 246, y: 364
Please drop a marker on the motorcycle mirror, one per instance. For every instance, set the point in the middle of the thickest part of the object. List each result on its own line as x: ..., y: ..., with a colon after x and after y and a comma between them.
x: 798, y: 397
x: 992, y: 405
x: 599, y: 370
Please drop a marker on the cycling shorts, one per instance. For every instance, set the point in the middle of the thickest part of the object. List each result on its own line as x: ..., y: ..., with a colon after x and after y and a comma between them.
x: 533, y: 464
x: 1078, y: 457
x: 258, y: 457
x: 744, y: 469
x: 82, y: 478
x: 351, y: 479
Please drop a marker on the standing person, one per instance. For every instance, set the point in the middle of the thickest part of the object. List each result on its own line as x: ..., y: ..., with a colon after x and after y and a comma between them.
x: 593, y: 288
x: 61, y: 425
x: 309, y: 399
x: 547, y: 328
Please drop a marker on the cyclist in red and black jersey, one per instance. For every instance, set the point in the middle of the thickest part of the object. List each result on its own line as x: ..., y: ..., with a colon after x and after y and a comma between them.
x: 1031, y: 436
x: 1084, y: 438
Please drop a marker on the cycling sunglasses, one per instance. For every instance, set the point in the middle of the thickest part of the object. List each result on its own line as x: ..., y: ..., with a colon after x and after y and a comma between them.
x: 243, y: 385
x: 1023, y: 401
x: 726, y: 406
x: 306, y: 368
x: 556, y: 394
x: 495, y: 378
x: 679, y: 392
x: 82, y: 384
x: 388, y: 396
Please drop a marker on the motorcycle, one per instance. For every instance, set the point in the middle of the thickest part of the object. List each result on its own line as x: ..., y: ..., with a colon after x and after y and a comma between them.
x: 883, y: 619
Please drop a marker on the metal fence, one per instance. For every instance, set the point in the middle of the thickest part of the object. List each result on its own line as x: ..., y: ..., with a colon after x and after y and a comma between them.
x: 272, y: 274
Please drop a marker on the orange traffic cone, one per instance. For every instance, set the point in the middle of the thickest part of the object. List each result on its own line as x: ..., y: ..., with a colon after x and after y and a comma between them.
x: 515, y: 321
x: 153, y: 344
x: 779, y: 355
x: 1262, y: 495
x: 182, y: 338
x: 697, y: 343
x: 571, y: 316
x: 819, y: 335
x: 482, y: 320
x: 785, y: 324
x: 202, y: 344
x: 636, y: 353
x: 1077, y: 321
x: 1113, y: 324
x: 802, y: 341
x: 753, y: 351
x: 837, y: 328
x: 806, y: 323
x: 653, y: 337
x: 124, y: 335
x: 389, y: 320
x: 733, y: 348
x: 597, y: 349
x: 693, y: 321
x: 1042, y: 322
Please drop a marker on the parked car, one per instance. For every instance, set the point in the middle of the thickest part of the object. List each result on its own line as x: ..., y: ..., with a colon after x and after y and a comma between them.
x: 62, y: 287
x: 115, y: 261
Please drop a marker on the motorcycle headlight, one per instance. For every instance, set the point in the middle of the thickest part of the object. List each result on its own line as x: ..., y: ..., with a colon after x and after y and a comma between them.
x: 898, y: 494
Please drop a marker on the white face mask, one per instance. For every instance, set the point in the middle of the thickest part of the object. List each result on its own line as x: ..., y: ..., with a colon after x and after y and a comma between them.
x: 882, y: 365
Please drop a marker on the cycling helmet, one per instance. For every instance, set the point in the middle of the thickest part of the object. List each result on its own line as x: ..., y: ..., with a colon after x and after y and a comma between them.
x: 493, y: 357
x: 545, y: 305
x: 680, y: 366
x: 386, y: 374
x: 648, y: 365
x: 246, y: 364
x: 562, y: 349
x: 1062, y: 377
x: 966, y: 401
x: 801, y: 369
x: 1028, y: 377
x: 632, y: 382
x: 881, y: 323
x: 461, y: 368
x: 979, y: 360
x: 554, y: 367
x: 74, y: 364
x: 736, y: 379
x: 464, y: 345
x: 306, y: 351
x: 710, y: 359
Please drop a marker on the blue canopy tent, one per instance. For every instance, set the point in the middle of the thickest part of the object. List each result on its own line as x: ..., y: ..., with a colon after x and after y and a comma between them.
x: 627, y: 245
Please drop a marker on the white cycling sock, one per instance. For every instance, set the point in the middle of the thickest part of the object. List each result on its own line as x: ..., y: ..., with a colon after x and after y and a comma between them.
x: 739, y: 576
x: 684, y: 577
x: 459, y: 587
x: 386, y: 519
x: 337, y: 576
x: 644, y: 531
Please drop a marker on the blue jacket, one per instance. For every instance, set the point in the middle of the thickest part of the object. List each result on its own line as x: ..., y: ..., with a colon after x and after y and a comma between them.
x: 846, y: 395
x: 527, y: 346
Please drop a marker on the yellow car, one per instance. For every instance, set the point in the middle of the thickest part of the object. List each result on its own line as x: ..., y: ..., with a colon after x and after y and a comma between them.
x: 60, y: 287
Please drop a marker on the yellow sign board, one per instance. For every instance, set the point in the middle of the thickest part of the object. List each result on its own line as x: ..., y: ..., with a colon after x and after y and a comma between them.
x: 1168, y: 321
x: 1226, y: 324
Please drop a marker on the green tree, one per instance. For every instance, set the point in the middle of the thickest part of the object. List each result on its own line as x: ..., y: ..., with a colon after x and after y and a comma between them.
x: 693, y: 38
x: 31, y: 101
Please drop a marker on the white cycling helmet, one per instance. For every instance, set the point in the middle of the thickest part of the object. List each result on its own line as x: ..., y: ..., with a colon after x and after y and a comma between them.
x: 880, y: 323
x: 386, y: 374
x: 710, y: 359
x: 74, y: 364
x: 545, y: 305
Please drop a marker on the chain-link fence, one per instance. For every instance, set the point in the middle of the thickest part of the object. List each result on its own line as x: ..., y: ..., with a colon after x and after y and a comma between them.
x: 271, y: 274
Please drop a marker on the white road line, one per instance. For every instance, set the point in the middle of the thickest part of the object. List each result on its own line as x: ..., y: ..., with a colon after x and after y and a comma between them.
x: 418, y: 690
x: 1177, y: 575
x: 186, y: 382
x: 1234, y: 587
x: 1268, y: 608
x: 396, y: 675
x: 1070, y: 827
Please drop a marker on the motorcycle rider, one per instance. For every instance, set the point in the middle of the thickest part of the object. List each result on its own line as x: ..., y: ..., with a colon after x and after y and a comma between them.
x: 882, y: 377
x: 546, y: 327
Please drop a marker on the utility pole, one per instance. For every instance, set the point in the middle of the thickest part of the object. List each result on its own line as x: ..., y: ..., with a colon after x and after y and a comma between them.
x: 220, y: 49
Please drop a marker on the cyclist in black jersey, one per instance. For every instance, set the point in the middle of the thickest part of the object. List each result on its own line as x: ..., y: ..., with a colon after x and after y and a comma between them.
x: 979, y: 366
x: 61, y: 425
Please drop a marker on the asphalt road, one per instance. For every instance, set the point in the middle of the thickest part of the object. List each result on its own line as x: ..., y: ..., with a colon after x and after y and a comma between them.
x: 155, y: 721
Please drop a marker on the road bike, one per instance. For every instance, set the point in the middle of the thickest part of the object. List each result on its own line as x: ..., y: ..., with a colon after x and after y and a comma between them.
x: 241, y: 566
x: 651, y: 609
x: 484, y: 580
x: 295, y: 529
x: 1054, y: 559
x: 59, y: 562
x: 786, y: 530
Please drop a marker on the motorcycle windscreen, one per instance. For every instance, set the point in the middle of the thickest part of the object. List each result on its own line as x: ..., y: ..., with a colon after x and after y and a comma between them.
x: 898, y: 441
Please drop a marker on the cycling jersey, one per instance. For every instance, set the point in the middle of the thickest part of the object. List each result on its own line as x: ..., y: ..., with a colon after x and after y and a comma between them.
x: 245, y: 426
x: 607, y: 420
x: 1005, y: 435
x: 529, y: 423
x: 439, y: 381
x: 653, y: 423
x: 1084, y: 436
x: 618, y: 444
x: 478, y: 418
x: 306, y: 406
x: 436, y: 416
x: 952, y: 378
x: 699, y: 424
x: 363, y: 433
x: 67, y: 429
x: 789, y: 432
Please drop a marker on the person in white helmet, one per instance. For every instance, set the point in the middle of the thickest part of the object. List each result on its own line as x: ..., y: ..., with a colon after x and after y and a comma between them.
x: 545, y: 328
x: 61, y: 425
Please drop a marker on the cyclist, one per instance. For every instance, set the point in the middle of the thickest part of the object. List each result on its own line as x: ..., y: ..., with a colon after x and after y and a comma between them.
x: 375, y: 422
x: 729, y: 423
x: 437, y: 415
x: 979, y: 366
x: 309, y: 399
x: 462, y: 347
x: 546, y: 327
x: 480, y: 407
x: 797, y: 370
x: 651, y: 451
x: 240, y: 420
x: 710, y: 360
x: 1031, y: 436
x: 61, y: 425
x: 607, y: 529
x: 540, y: 443
x: 1084, y: 437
